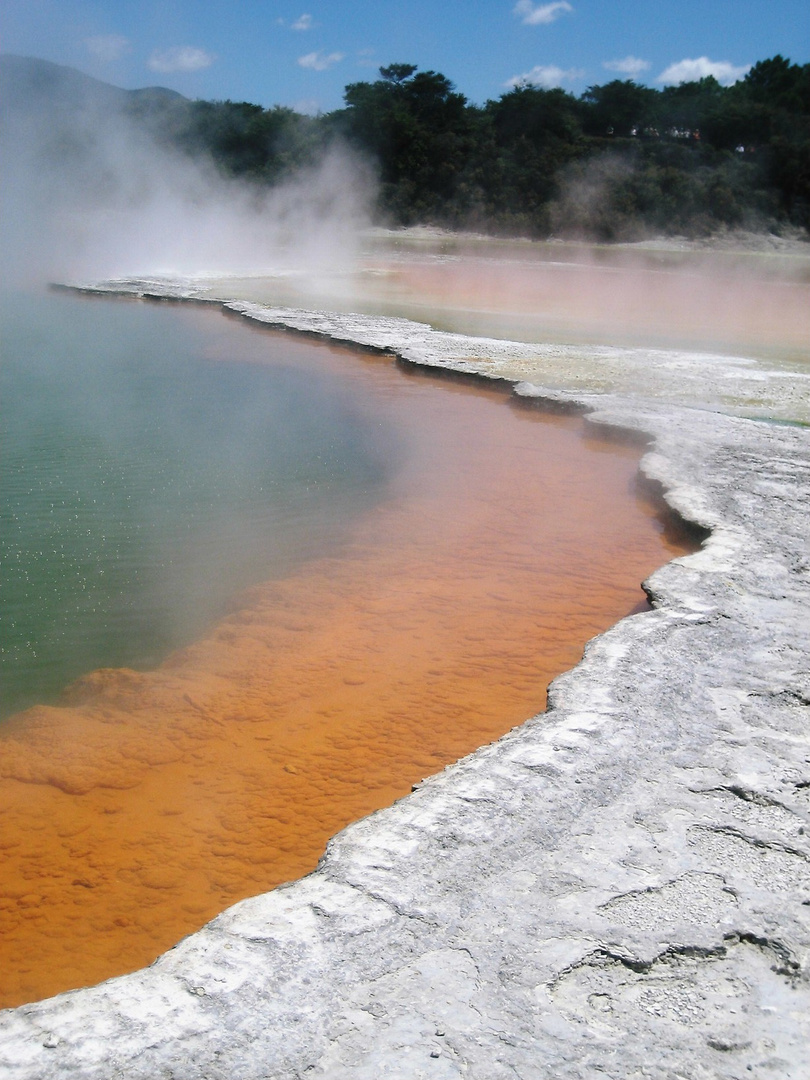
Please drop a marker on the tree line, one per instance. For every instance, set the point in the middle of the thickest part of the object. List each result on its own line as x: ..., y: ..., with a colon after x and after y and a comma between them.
x: 618, y: 162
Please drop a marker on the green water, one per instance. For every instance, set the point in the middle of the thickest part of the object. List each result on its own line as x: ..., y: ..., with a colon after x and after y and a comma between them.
x: 152, y: 465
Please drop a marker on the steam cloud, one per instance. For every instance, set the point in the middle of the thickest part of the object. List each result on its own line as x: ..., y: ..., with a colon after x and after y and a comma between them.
x: 88, y: 193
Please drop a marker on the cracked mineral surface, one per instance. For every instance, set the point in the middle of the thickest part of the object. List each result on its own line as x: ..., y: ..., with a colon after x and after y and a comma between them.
x: 620, y: 887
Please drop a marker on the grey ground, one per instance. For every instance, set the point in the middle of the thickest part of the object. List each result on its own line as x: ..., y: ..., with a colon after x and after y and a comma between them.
x: 619, y: 888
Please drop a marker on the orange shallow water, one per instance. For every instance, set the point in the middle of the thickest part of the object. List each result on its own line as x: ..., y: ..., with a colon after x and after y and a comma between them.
x: 700, y: 304
x: 150, y: 801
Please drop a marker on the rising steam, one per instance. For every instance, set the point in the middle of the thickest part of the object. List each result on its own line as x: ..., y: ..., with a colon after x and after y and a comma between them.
x: 87, y: 192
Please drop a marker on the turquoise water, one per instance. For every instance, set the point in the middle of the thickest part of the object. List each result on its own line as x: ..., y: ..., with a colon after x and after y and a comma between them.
x: 146, y: 477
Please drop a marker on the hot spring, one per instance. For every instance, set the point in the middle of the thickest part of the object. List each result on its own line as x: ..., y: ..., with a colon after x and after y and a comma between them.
x: 256, y: 588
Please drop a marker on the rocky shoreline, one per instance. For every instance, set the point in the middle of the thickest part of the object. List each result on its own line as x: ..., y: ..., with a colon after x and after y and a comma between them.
x: 619, y: 887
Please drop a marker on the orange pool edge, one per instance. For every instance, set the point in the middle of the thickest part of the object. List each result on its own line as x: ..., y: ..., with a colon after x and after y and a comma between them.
x: 148, y: 802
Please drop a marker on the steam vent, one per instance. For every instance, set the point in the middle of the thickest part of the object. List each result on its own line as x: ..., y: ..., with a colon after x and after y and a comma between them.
x: 619, y: 886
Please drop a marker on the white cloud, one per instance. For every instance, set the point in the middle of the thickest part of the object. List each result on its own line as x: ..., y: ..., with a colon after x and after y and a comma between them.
x: 107, y: 47
x: 303, y: 22
x: 180, y: 58
x: 319, y: 61
x: 541, y: 15
x: 630, y: 65
x: 693, y: 70
x: 546, y: 76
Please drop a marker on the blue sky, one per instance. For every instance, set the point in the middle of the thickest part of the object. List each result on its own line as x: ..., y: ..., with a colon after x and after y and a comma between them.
x: 302, y: 53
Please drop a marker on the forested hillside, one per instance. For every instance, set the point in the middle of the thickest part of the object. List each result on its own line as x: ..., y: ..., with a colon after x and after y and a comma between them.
x: 619, y: 162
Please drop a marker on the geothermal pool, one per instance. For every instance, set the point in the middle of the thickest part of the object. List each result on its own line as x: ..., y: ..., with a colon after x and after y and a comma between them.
x: 348, y: 618
x: 146, y: 477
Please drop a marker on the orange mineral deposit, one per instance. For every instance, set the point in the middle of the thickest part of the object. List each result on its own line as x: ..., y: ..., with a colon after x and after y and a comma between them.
x: 147, y: 802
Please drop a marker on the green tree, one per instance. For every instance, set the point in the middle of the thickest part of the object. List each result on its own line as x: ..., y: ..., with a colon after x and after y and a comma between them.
x: 417, y: 127
x: 618, y: 108
x: 534, y: 133
x: 535, y: 160
x: 688, y: 106
x: 775, y: 99
x: 242, y: 139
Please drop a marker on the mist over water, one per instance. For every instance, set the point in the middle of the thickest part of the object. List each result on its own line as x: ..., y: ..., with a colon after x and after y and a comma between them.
x: 89, y: 192
x: 143, y: 480
x: 146, y: 479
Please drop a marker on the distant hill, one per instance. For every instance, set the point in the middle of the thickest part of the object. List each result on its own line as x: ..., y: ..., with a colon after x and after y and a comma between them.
x: 72, y: 147
x: 30, y: 85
